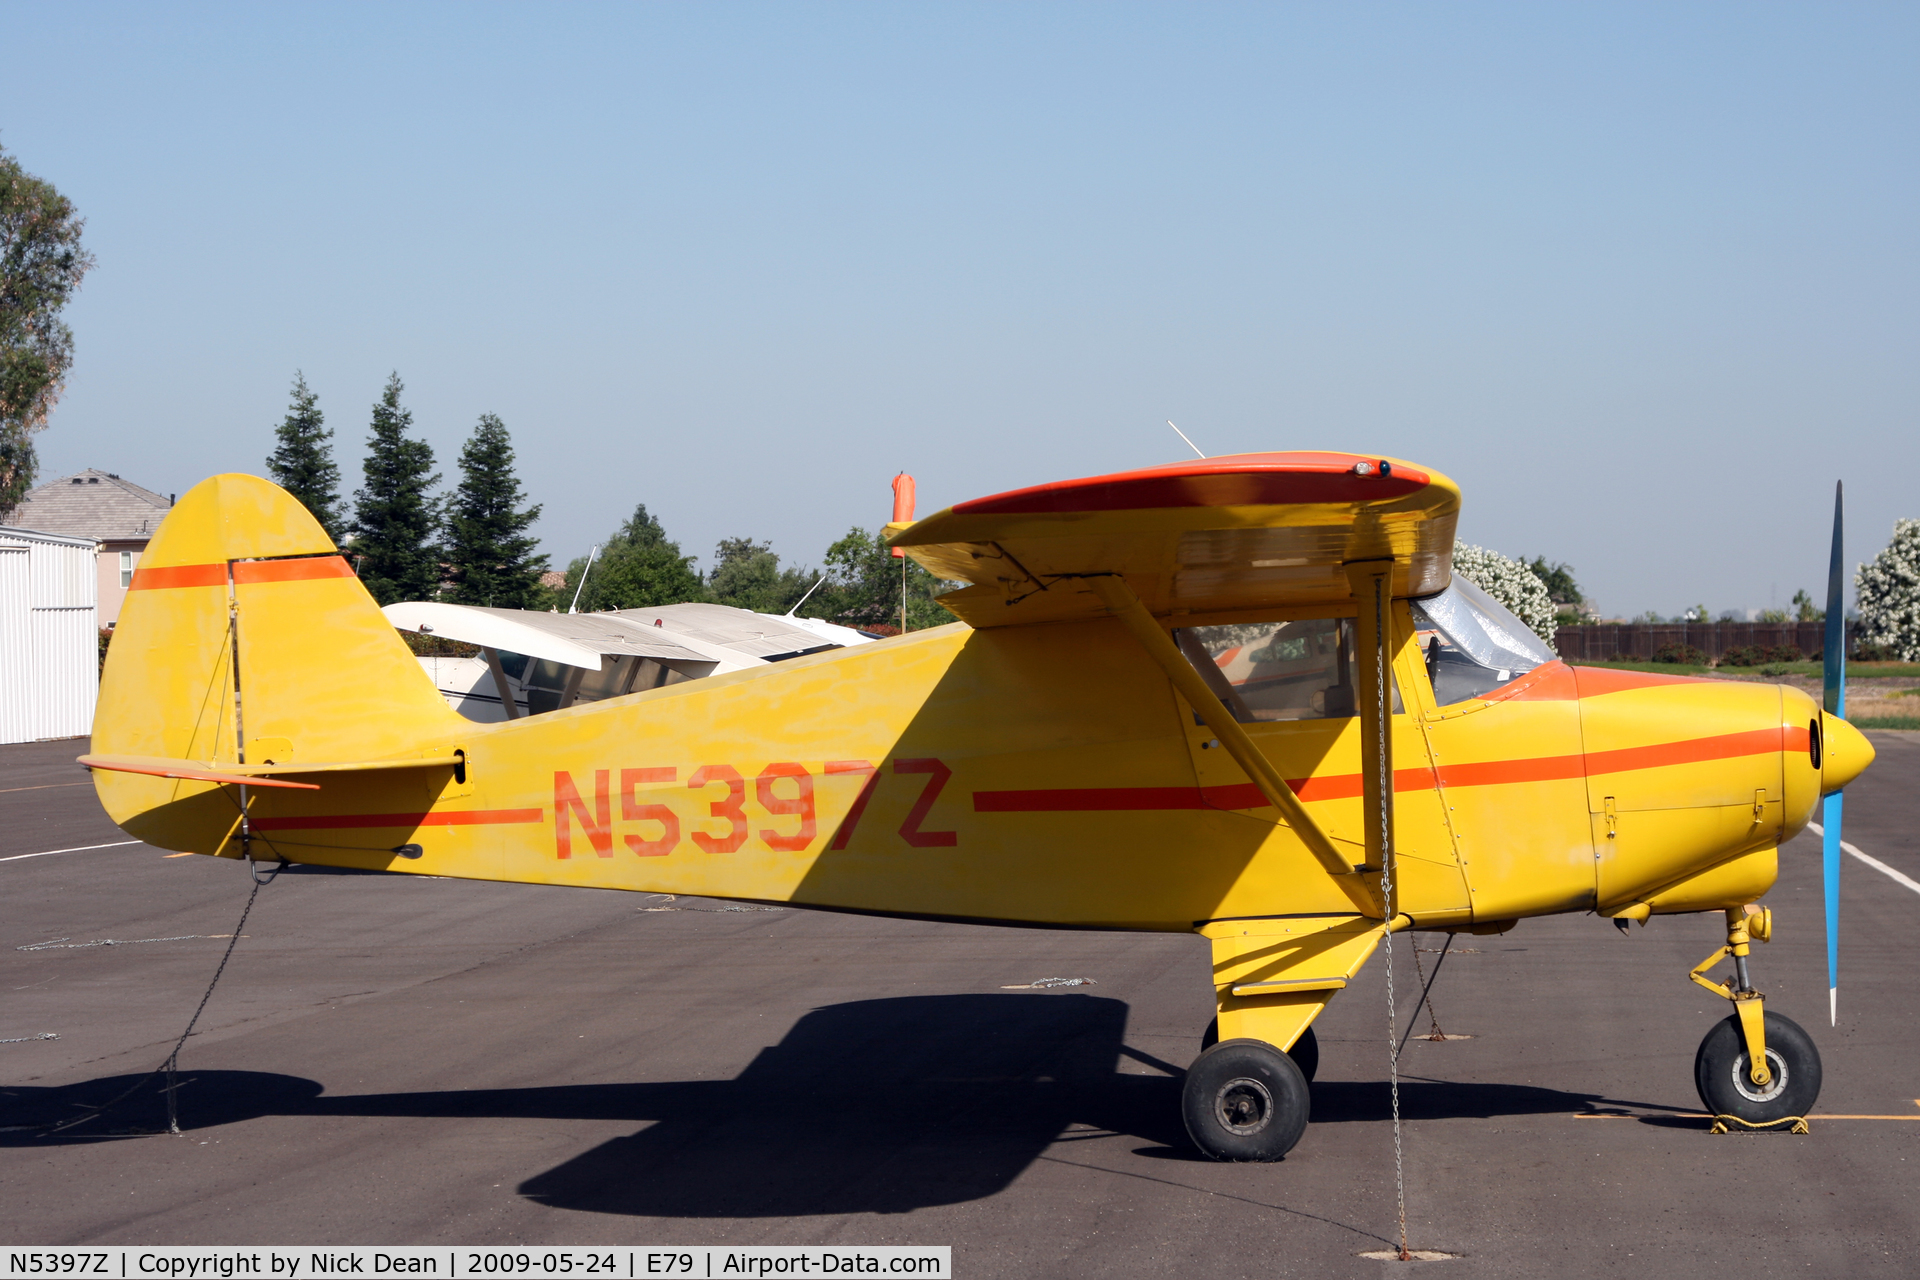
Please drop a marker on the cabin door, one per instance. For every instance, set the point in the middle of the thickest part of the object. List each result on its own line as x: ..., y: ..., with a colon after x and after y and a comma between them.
x: 1290, y: 682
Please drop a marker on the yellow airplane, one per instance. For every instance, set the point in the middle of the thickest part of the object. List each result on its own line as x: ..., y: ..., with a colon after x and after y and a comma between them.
x: 1242, y: 696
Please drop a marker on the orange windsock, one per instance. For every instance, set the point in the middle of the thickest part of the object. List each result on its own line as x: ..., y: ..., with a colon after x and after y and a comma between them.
x: 902, y: 505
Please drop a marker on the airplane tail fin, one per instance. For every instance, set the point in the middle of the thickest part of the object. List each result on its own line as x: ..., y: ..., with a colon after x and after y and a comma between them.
x: 245, y: 637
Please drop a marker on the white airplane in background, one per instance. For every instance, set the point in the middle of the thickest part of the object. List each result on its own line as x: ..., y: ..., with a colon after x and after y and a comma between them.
x: 546, y: 661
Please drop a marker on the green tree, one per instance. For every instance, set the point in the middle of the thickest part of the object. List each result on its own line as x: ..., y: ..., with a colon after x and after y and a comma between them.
x: 490, y: 558
x: 41, y: 264
x: 396, y: 515
x: 1805, y: 610
x: 638, y: 565
x: 302, y: 463
x: 1558, y: 580
x: 747, y: 575
x: 863, y: 587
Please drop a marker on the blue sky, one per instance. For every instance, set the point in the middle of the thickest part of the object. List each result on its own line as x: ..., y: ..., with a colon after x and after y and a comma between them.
x: 1642, y: 278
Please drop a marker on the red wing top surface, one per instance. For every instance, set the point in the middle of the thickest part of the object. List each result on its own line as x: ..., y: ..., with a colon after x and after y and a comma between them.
x: 1211, y: 535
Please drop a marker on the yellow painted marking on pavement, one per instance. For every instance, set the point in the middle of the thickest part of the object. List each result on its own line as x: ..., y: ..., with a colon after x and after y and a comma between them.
x: 46, y: 786
x: 1701, y: 1115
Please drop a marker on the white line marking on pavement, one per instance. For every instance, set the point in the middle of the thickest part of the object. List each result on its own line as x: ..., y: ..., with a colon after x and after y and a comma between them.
x: 117, y: 843
x: 1885, y: 870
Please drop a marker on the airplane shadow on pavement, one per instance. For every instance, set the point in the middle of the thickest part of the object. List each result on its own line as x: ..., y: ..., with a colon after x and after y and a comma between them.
x: 875, y: 1106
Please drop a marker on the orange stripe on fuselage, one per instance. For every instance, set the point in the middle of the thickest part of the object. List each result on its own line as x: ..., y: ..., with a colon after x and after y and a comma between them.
x: 305, y: 569
x: 1347, y: 786
x: 1595, y: 681
x: 1721, y: 746
x: 404, y: 821
x: 1558, y: 682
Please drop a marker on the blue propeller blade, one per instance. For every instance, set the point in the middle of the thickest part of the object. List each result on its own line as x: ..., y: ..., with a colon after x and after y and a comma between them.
x: 1834, y: 700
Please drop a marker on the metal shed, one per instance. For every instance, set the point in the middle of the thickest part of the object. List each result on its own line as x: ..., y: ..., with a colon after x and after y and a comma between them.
x: 49, y: 635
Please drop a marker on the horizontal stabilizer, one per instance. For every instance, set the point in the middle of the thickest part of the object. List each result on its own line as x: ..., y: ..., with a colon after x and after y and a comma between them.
x: 255, y: 775
x: 193, y: 770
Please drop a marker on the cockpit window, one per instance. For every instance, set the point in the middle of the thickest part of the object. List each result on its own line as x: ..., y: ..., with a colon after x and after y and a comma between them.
x: 1472, y: 644
x: 1276, y: 670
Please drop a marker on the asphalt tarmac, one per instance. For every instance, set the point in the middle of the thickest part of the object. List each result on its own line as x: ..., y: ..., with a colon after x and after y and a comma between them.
x: 400, y: 1060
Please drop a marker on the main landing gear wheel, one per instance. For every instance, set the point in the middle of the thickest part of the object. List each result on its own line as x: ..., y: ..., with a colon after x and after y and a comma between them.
x: 1245, y: 1100
x: 1720, y: 1072
x: 1305, y: 1052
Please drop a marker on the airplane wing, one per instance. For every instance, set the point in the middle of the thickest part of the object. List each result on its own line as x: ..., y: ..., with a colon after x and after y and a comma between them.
x: 1213, y: 534
x: 576, y: 639
x: 758, y: 634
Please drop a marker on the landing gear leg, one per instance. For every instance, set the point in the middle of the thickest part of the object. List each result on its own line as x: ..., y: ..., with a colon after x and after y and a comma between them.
x: 1246, y: 1096
x: 1305, y: 1052
x: 1757, y: 1068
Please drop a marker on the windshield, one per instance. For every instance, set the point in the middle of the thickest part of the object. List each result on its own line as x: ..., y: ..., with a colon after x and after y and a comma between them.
x: 1472, y: 643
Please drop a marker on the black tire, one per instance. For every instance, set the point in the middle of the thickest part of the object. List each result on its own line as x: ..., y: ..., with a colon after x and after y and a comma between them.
x: 1245, y: 1100
x: 1720, y: 1072
x: 1305, y: 1052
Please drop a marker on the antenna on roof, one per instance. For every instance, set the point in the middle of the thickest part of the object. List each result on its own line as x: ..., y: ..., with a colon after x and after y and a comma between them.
x: 582, y: 584
x: 810, y: 590
x: 1183, y: 435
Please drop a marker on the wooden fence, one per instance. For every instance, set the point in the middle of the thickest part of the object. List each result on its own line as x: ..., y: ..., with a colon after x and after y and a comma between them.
x: 1597, y: 642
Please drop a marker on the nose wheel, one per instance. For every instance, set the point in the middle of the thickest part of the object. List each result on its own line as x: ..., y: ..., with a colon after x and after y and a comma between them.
x: 1756, y: 1067
x: 1722, y: 1071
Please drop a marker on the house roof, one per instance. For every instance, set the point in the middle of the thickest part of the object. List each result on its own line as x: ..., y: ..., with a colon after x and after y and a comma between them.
x: 91, y: 504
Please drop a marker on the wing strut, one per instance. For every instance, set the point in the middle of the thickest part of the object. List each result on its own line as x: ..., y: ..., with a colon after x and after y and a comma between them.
x: 1373, y: 658
x: 1126, y: 606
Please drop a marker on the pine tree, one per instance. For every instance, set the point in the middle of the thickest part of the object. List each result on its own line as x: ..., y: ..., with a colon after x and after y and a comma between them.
x: 638, y: 566
x: 490, y: 560
x: 396, y: 516
x: 302, y: 463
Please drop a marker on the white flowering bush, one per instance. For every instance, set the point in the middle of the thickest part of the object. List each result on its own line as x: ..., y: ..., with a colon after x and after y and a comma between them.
x: 1510, y: 582
x: 1889, y: 590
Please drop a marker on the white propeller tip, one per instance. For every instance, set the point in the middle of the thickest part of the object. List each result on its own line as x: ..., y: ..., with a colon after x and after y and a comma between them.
x: 1833, y: 1006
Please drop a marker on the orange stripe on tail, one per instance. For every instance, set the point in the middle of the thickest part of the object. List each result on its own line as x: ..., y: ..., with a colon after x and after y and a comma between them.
x: 304, y: 569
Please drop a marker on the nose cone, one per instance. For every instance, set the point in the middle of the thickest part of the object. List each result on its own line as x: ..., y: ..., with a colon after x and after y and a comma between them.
x: 1845, y: 753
